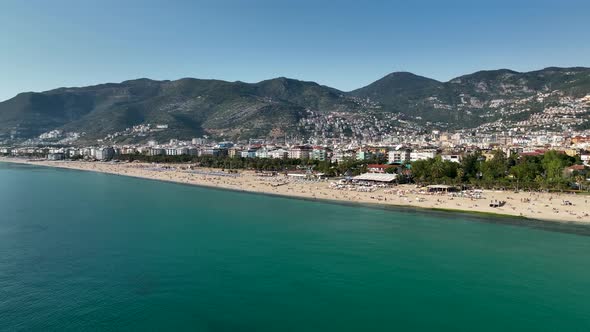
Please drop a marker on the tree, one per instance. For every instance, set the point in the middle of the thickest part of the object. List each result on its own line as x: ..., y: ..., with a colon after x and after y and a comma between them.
x: 580, y: 179
x: 525, y: 171
x: 437, y: 168
x: 470, y: 165
x: 553, y: 164
x: 460, y: 175
x: 421, y: 170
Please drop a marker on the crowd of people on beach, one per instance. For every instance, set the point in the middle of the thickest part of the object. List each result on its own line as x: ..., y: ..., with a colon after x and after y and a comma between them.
x: 531, y: 204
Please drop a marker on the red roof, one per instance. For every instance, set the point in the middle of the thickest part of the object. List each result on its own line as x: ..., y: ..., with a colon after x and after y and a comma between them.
x: 534, y: 153
x: 577, y: 168
x: 539, y: 152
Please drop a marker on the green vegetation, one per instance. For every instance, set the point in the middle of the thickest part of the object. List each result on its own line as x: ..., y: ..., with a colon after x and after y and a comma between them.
x: 190, y: 108
x: 351, y: 166
x: 414, y: 95
x: 193, y: 107
x: 545, y: 171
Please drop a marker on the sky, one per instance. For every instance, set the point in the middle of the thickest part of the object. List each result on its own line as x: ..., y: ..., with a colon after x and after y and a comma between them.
x: 343, y: 44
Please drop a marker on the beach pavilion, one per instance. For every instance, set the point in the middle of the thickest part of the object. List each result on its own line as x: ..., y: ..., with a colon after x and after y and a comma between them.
x: 375, y: 177
x: 440, y: 188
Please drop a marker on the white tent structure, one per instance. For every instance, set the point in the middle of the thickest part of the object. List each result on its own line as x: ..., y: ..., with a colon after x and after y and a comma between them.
x: 376, y: 177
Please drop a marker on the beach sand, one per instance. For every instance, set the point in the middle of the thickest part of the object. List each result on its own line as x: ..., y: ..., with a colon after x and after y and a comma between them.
x: 542, y: 206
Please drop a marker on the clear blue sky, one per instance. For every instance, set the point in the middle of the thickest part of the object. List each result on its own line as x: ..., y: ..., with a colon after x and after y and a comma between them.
x: 343, y: 44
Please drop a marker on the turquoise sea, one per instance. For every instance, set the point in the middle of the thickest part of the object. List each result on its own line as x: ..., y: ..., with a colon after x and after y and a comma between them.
x: 86, y: 251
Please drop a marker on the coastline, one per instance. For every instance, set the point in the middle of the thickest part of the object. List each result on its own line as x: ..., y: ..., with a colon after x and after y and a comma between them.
x: 543, y: 207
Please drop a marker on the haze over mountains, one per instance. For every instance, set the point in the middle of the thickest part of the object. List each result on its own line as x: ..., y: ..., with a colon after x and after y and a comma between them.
x: 274, y: 108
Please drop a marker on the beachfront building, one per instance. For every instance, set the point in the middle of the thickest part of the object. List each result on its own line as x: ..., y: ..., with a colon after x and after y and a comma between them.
x: 262, y: 153
x: 340, y: 154
x: 319, y: 153
x: 216, y: 152
x: 72, y: 153
x: 250, y: 153
x: 171, y: 152
x: 105, y: 153
x: 56, y: 156
x: 128, y: 150
x: 234, y: 152
x: 300, y: 152
x: 86, y: 152
x: 364, y: 154
x: 176, y: 151
x: 379, y: 168
x: 278, y: 154
x: 398, y: 156
x: 452, y: 157
x: 157, y: 152
x: 422, y: 155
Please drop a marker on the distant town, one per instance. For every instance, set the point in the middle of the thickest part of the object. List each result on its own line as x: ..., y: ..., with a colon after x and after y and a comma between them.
x: 537, y: 151
x: 399, y: 149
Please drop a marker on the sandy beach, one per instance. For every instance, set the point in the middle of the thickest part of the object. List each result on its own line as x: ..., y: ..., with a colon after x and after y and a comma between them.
x: 533, y: 205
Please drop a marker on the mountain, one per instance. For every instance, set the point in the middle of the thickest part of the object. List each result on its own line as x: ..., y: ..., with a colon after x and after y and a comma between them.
x: 273, y: 108
x: 472, y: 99
x: 406, y: 93
x: 189, y: 107
x: 400, y: 88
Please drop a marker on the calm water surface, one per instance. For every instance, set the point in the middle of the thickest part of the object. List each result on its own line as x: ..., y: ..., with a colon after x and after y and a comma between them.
x: 86, y: 251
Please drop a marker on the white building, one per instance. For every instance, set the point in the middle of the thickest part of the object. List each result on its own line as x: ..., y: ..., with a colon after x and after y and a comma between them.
x: 299, y: 152
x: 456, y: 158
x: 398, y: 156
x: 278, y: 154
x: 157, y: 152
x: 128, y: 150
x: 262, y: 153
x: 104, y: 153
x: 339, y: 155
x: 56, y: 156
x: 422, y: 155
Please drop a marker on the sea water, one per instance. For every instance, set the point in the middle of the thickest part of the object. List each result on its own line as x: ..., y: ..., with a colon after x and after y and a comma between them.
x: 89, y: 251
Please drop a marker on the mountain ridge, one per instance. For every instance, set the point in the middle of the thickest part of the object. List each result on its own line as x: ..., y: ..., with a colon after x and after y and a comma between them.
x: 283, y: 77
x: 274, y: 107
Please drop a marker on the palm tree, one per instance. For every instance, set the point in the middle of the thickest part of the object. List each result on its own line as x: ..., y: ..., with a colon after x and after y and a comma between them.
x: 460, y: 175
x: 580, y: 179
x: 437, y: 169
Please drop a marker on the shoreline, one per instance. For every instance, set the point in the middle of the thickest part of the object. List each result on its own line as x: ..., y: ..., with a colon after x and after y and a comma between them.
x: 248, y: 182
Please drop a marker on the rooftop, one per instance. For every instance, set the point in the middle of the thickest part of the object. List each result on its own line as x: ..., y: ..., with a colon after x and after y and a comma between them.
x: 376, y: 177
